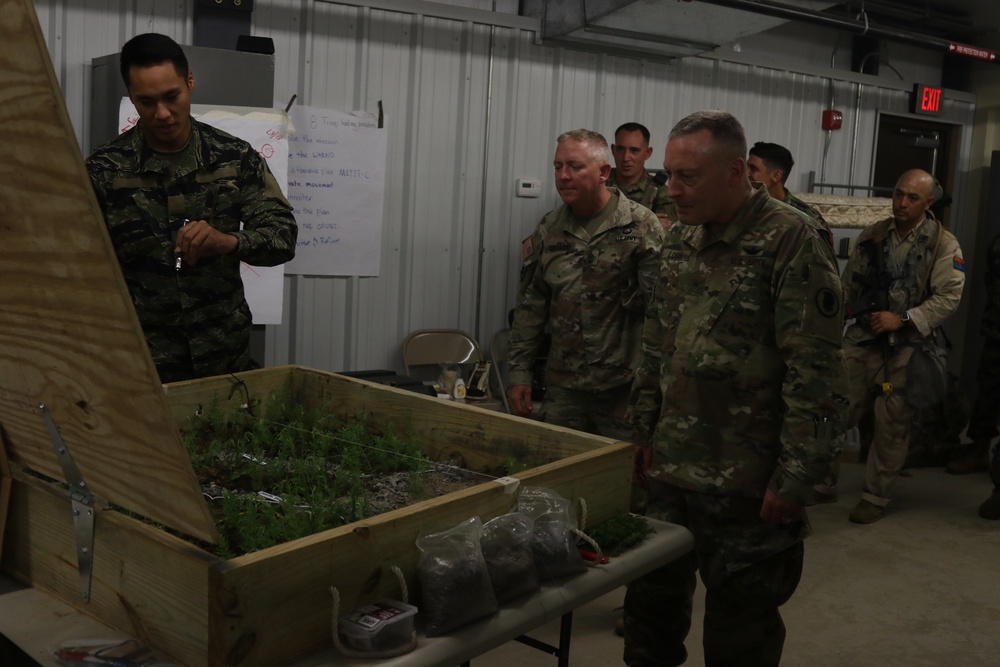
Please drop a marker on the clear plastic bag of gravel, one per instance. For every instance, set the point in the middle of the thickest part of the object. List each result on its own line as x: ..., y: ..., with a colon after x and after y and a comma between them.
x: 455, y: 584
x: 553, y: 540
x: 506, y: 547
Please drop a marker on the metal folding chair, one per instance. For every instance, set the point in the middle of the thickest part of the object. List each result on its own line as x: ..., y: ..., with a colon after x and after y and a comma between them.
x: 426, y: 348
x: 498, y: 355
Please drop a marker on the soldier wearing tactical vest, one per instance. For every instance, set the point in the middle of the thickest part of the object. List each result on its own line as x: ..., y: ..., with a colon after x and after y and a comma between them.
x: 631, y: 150
x: 904, y: 278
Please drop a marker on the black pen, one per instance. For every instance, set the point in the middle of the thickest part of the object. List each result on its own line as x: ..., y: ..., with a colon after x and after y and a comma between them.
x: 178, y: 258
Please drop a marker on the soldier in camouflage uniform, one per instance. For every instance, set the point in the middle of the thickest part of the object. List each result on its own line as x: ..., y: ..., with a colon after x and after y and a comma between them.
x: 737, y: 404
x: 986, y: 409
x: 586, y: 272
x: 631, y: 150
x: 173, y: 192
x: 771, y: 164
x: 923, y: 275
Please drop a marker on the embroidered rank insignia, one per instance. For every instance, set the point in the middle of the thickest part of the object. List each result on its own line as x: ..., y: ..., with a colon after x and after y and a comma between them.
x: 958, y: 264
x: 526, y: 249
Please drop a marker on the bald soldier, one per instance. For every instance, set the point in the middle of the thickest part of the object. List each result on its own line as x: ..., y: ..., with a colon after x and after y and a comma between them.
x: 923, y: 276
x: 586, y: 272
x: 738, y: 403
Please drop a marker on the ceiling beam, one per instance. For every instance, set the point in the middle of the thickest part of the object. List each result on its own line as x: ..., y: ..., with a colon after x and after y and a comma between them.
x: 859, y: 26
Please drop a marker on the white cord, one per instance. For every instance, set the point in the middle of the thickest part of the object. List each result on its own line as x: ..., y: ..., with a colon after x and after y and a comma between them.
x: 587, y: 538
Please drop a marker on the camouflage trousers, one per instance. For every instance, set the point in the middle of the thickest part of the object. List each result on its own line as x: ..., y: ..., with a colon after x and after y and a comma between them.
x: 986, y: 408
x: 749, y: 569
x: 597, y: 412
x: 893, y: 416
x: 187, y: 351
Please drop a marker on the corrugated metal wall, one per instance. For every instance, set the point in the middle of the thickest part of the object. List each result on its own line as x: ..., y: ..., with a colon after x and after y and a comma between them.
x: 470, y: 107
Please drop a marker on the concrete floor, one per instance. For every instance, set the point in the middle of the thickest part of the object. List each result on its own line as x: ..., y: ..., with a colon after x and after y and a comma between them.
x: 919, y: 588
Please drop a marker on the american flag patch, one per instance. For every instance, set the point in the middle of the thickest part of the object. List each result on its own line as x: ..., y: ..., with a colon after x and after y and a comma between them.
x: 526, y: 249
x: 958, y: 263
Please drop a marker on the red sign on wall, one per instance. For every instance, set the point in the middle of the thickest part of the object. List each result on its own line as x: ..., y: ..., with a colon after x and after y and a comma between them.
x: 972, y: 52
x: 927, y: 100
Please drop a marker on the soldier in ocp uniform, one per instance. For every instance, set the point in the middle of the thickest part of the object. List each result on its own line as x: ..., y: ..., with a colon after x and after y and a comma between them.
x: 986, y: 409
x: 630, y: 151
x: 738, y: 405
x: 586, y: 272
x: 771, y: 164
x: 174, y: 192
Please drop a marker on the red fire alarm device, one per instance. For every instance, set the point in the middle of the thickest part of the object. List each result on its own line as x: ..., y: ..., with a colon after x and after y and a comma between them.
x: 832, y: 119
x: 927, y: 100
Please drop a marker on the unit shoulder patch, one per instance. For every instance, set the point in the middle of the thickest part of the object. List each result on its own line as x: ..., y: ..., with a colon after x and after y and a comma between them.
x: 527, y: 248
x: 827, y: 302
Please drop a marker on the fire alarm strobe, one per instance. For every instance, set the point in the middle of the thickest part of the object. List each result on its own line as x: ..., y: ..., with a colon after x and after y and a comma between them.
x: 832, y: 119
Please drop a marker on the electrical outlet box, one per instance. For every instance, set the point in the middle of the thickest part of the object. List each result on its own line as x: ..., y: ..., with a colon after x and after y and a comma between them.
x: 527, y: 187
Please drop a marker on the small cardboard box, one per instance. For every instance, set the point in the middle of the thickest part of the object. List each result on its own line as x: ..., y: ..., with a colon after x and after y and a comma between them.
x: 82, y: 411
x: 383, y: 625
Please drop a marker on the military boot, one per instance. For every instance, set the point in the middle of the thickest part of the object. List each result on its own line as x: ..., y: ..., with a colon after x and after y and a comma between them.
x: 976, y: 460
x: 820, y: 495
x: 990, y: 509
x: 866, y: 512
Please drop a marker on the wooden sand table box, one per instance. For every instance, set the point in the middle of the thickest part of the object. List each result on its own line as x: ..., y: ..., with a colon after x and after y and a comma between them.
x: 81, y: 406
x: 843, y: 212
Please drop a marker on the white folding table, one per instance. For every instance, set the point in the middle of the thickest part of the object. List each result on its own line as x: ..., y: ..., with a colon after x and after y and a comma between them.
x: 39, y: 623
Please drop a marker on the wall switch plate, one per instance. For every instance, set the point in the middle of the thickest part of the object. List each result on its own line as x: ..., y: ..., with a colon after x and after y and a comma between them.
x: 526, y: 187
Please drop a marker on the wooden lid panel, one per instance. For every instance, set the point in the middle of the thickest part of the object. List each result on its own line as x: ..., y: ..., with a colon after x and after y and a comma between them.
x: 69, y: 337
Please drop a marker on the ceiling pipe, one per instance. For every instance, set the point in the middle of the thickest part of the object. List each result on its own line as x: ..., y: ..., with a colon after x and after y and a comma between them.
x: 861, y: 26
x: 913, y: 14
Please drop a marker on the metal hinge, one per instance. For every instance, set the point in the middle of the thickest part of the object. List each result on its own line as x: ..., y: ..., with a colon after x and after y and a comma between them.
x: 83, y: 505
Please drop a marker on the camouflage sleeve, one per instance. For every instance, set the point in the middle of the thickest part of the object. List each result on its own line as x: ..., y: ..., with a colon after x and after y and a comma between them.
x: 808, y: 323
x: 664, y: 205
x: 97, y: 171
x: 648, y: 263
x: 851, y: 287
x: 646, y: 397
x: 647, y: 260
x: 992, y: 272
x: 530, y: 314
x: 269, y: 230
x: 822, y: 222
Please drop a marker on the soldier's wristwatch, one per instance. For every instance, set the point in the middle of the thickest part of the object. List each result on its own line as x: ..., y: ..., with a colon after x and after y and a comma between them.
x: 905, y: 317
